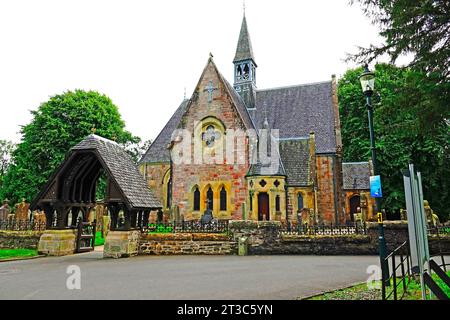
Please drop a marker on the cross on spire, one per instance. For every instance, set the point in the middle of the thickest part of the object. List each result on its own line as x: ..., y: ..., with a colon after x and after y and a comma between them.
x: 210, y: 89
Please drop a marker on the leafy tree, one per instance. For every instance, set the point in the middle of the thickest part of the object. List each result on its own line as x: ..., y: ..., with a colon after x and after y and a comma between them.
x: 6, y: 149
x: 400, y: 138
x: 58, y: 125
x: 137, y: 149
x: 419, y: 27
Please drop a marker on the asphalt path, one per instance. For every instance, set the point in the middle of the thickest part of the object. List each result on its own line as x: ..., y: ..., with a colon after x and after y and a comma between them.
x: 180, y: 277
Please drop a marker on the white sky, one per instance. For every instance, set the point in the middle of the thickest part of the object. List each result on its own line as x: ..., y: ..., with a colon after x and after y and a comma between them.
x: 142, y: 53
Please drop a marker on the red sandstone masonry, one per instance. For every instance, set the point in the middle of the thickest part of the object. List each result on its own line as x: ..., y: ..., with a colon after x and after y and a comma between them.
x: 185, y: 176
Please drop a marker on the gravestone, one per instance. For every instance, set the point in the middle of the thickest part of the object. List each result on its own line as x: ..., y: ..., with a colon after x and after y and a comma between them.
x: 39, y: 218
x: 22, y: 211
x: 4, y: 210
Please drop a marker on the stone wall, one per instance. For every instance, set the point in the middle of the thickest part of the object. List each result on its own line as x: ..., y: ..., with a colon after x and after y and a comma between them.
x: 186, y: 243
x: 19, y: 239
x: 264, y: 238
x: 396, y: 232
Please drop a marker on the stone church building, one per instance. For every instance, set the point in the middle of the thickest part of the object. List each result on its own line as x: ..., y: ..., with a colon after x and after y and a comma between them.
x: 308, y: 181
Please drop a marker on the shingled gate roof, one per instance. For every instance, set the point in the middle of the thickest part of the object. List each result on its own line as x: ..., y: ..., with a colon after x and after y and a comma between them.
x: 118, y: 166
x: 356, y: 175
x: 122, y: 169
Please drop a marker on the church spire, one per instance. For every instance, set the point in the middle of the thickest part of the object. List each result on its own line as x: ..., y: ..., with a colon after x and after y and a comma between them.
x: 244, y: 49
x: 245, y: 67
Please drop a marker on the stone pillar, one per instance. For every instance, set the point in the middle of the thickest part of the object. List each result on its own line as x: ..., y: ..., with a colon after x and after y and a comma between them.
x: 58, y: 242
x: 121, y: 244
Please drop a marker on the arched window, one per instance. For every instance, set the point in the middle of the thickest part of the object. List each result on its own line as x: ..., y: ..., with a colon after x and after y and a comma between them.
x: 223, y: 199
x: 299, y: 201
x: 251, y: 202
x: 277, y: 203
x: 196, y: 199
x: 210, y: 199
x: 246, y: 71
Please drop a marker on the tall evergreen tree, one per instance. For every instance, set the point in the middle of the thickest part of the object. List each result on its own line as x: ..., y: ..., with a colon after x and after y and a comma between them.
x: 400, y: 137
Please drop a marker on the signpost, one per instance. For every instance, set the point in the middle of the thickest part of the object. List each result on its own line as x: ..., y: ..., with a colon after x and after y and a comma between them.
x: 375, y: 187
x: 417, y: 225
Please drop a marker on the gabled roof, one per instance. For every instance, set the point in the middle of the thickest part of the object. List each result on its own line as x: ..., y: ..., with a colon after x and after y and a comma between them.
x: 298, y: 110
x: 356, y: 175
x: 123, y: 171
x: 273, y: 167
x: 296, y: 160
x: 118, y: 166
x: 158, y: 151
x: 244, y: 49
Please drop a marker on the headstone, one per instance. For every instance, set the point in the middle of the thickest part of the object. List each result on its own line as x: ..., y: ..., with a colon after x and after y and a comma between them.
x: 4, y: 210
x: 432, y: 218
x: 39, y: 219
x: 22, y: 210
x: 403, y: 215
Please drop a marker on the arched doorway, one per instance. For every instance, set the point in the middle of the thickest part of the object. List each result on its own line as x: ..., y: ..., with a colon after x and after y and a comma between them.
x: 263, y: 206
x: 355, y: 206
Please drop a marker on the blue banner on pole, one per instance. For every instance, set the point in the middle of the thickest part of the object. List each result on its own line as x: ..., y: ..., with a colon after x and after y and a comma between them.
x: 375, y: 187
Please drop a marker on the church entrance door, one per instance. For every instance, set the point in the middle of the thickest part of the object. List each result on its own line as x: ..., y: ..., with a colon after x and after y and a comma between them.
x: 263, y: 206
x: 355, y: 206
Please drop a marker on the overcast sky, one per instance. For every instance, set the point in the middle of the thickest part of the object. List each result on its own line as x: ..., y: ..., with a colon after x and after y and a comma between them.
x: 142, y: 53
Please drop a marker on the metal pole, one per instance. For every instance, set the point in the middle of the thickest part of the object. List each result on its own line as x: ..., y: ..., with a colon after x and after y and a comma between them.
x: 381, y: 239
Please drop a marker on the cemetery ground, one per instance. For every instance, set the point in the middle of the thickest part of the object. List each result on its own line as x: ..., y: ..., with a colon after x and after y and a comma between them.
x: 182, y: 277
x: 362, y: 292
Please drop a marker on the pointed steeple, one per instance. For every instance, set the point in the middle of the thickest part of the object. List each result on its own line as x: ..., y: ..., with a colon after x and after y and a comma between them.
x: 245, y: 68
x: 244, y: 49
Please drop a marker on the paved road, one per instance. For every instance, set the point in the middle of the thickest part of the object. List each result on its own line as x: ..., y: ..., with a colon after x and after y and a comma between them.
x: 182, y: 277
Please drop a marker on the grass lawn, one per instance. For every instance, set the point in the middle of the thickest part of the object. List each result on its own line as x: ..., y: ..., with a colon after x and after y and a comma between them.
x: 99, y: 241
x: 16, y: 253
x: 362, y: 292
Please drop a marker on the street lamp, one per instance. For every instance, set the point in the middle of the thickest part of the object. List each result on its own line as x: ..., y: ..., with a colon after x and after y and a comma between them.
x: 367, y: 79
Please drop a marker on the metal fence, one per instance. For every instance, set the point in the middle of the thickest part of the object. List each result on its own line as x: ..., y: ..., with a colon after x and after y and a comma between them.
x: 20, y: 225
x: 397, y: 260
x: 313, y: 230
x: 215, y: 226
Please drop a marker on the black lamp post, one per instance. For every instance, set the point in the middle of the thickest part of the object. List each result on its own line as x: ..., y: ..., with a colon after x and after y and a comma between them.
x: 367, y: 79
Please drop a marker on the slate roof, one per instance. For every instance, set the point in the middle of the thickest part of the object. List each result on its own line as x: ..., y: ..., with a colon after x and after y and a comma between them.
x: 158, y: 151
x: 298, y: 110
x: 273, y: 167
x: 296, y: 161
x: 122, y: 170
x: 244, y: 49
x: 356, y: 175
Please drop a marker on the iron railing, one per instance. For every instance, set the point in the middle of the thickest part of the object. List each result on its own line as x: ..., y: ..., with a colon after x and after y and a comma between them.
x: 20, y: 225
x: 193, y: 226
x: 401, y: 252
x: 313, y: 230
